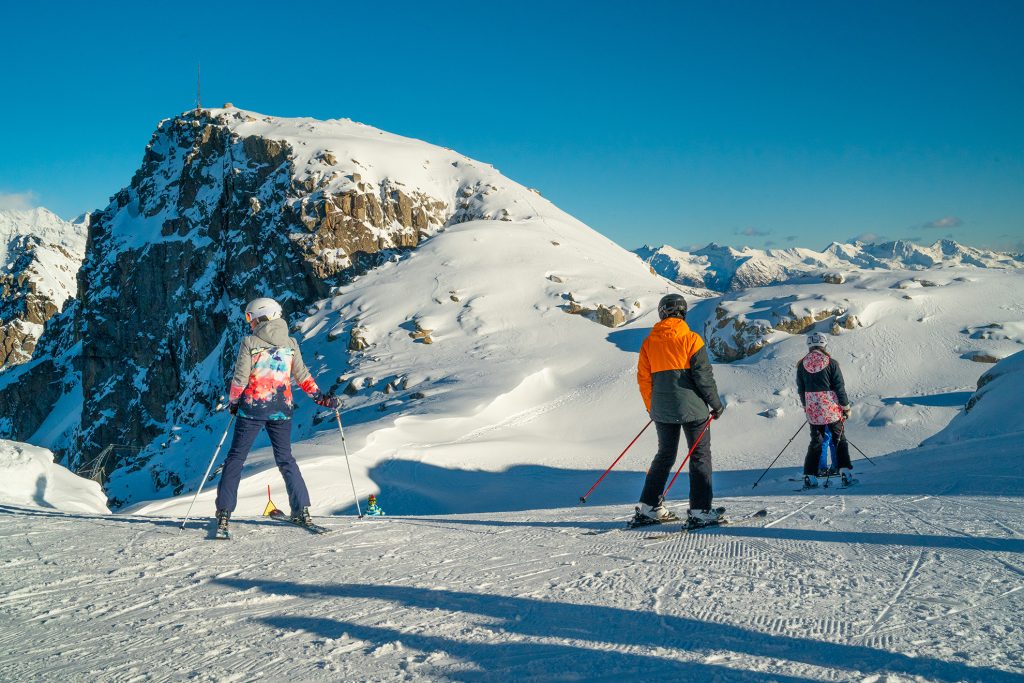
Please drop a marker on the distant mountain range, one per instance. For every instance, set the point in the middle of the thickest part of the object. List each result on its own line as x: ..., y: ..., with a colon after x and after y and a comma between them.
x: 725, y: 269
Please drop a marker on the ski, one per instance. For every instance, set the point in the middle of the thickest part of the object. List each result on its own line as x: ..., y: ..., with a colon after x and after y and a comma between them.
x: 724, y: 521
x: 629, y: 526
x: 282, y: 517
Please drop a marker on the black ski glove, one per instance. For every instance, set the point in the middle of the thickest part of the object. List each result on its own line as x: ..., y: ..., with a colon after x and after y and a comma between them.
x: 717, y: 412
x: 327, y: 400
x: 233, y: 408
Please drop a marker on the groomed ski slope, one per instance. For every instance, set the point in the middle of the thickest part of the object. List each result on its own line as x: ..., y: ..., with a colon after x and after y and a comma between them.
x: 914, y: 574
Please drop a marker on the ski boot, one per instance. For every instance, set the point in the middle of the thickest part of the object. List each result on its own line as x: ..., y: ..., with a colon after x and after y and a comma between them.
x: 698, y: 518
x: 846, y: 477
x: 302, y: 517
x: 223, y: 533
x: 652, y: 514
x: 810, y: 481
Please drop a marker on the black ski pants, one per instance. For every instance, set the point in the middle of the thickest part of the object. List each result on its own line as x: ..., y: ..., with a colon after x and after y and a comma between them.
x: 668, y: 449
x: 842, y: 446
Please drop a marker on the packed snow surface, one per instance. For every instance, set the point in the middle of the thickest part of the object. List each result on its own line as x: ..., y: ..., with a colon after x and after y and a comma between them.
x: 913, y: 574
x: 28, y: 476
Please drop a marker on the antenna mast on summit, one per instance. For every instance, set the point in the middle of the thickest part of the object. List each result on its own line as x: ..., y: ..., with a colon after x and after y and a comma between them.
x: 199, y: 86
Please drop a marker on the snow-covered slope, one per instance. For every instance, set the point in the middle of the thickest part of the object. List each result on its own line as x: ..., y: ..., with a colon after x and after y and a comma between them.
x: 40, y: 255
x: 995, y: 408
x: 913, y: 574
x: 727, y: 268
x: 28, y: 476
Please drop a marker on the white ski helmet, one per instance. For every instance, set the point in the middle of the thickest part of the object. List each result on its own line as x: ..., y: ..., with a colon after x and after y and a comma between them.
x: 262, y: 309
x: 817, y: 339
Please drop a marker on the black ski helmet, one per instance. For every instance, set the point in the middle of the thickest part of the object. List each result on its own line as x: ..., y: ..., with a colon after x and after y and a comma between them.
x: 672, y: 306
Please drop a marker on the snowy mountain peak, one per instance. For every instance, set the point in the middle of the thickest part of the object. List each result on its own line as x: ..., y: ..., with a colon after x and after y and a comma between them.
x: 43, y: 225
x: 727, y: 268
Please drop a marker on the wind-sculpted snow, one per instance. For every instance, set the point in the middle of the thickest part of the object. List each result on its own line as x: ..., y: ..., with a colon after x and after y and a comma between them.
x: 28, y: 476
x: 995, y: 408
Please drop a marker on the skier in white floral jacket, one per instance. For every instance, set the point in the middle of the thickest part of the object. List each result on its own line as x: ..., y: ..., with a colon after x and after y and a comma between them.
x: 822, y: 392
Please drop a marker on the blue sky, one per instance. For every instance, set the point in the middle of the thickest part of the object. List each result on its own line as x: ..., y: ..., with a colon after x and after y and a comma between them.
x: 764, y: 123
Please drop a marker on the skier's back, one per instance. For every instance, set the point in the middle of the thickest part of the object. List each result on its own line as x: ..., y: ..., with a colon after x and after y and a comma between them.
x: 678, y: 387
x: 261, y: 398
x: 822, y: 393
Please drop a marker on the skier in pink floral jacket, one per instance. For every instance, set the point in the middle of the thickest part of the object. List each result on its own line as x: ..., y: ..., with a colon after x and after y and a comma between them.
x: 822, y: 392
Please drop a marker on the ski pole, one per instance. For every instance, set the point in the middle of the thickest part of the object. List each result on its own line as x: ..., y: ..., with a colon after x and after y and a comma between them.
x: 861, y: 452
x: 692, y: 449
x: 209, y: 467
x: 583, y: 498
x: 778, y: 456
x: 344, y: 445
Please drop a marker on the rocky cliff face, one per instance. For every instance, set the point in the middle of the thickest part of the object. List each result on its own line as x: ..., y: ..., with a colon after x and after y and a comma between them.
x: 227, y: 206
x: 39, y: 257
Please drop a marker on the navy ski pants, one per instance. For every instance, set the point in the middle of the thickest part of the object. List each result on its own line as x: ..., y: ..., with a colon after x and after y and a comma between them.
x: 246, y: 431
x: 668, y: 449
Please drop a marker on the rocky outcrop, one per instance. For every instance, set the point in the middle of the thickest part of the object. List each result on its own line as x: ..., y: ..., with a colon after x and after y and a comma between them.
x: 733, y: 334
x: 610, y: 316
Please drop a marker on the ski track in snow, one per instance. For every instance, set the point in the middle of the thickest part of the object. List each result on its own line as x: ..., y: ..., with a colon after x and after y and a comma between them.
x: 838, y: 588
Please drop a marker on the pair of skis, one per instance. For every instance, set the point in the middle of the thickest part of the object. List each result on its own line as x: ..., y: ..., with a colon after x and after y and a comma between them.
x: 722, y: 521
x: 685, y: 528
x: 826, y: 484
x: 274, y: 513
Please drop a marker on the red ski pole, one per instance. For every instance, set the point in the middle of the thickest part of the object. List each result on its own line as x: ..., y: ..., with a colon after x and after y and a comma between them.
x: 692, y: 449
x: 583, y: 498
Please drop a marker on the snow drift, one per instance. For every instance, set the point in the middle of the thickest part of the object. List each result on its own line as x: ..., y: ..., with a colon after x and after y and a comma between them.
x: 28, y: 476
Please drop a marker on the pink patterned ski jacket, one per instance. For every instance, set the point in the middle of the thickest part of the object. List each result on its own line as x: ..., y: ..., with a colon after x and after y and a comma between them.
x: 822, y: 391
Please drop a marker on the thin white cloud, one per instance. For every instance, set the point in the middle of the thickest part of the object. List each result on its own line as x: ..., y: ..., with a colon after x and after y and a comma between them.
x: 866, y: 238
x: 18, y: 201
x: 753, y: 232
x: 945, y: 222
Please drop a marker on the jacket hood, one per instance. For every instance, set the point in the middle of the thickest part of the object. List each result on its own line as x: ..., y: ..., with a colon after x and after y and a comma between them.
x: 816, y: 361
x: 273, y: 332
x: 670, y: 328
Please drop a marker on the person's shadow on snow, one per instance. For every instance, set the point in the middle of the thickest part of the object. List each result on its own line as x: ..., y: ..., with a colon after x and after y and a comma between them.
x: 598, y: 626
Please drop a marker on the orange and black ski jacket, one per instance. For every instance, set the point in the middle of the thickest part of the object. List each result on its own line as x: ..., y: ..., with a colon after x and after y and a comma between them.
x: 675, y: 375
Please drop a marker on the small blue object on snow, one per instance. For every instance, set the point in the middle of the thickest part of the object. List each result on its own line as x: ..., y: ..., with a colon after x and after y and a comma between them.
x: 372, y: 508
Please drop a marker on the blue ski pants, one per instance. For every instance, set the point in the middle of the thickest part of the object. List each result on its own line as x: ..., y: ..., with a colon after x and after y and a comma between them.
x: 246, y: 431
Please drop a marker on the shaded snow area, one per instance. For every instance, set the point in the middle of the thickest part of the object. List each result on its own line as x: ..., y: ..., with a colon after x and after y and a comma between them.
x: 916, y: 576
x: 28, y: 476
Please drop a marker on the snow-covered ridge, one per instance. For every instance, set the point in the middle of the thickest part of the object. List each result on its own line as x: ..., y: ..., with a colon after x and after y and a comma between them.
x: 40, y: 255
x: 727, y: 268
x: 46, y: 226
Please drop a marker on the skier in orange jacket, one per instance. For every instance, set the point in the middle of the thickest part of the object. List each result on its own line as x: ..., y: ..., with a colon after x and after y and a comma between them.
x: 678, y: 388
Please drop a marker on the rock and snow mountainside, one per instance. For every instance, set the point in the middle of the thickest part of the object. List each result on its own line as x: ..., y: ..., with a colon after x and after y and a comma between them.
x: 28, y: 476
x: 727, y: 269
x: 39, y: 258
x: 229, y: 205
